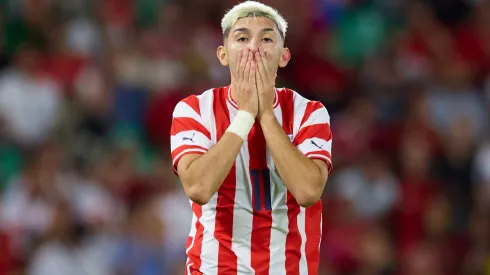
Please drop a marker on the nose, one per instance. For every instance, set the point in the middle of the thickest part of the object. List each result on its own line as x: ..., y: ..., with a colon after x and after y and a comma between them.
x: 254, y: 45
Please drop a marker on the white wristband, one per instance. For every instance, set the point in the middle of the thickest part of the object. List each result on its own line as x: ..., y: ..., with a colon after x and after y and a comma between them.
x: 242, y: 124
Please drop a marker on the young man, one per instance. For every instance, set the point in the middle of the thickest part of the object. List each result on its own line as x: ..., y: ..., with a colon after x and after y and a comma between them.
x: 252, y: 158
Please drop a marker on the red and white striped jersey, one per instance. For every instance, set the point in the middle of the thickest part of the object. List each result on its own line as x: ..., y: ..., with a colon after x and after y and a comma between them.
x: 252, y: 225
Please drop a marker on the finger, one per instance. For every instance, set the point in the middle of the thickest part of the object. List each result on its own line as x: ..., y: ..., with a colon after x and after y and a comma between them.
x: 261, y: 69
x: 258, y: 80
x: 243, y: 63
x: 246, y: 73
x: 267, y: 55
x: 262, y: 52
x: 264, y: 57
x: 235, y: 71
x: 253, y: 72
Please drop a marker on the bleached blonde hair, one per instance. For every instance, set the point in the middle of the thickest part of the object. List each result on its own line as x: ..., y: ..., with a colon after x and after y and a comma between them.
x: 253, y: 9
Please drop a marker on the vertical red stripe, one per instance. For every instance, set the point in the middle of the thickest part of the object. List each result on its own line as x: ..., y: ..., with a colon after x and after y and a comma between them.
x: 227, y: 260
x: 293, y: 239
x: 194, y: 253
x: 313, y: 218
x: 286, y: 101
x: 262, y: 218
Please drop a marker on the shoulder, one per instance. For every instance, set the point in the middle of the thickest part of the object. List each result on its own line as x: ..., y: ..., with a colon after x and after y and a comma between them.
x: 197, y: 102
x: 202, y: 100
x: 294, y: 96
x: 300, y: 103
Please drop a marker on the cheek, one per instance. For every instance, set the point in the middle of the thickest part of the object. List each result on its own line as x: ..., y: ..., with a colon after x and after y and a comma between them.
x: 273, y: 53
x: 235, y: 47
x: 233, y: 51
x: 274, y: 57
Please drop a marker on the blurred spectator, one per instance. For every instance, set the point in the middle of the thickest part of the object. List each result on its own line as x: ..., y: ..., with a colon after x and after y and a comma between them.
x: 355, y: 129
x: 371, y: 188
x: 145, y: 64
x: 60, y: 62
x: 423, y: 259
x: 450, y: 105
x: 28, y: 204
x: 142, y: 250
x: 173, y: 198
x: 448, y: 245
x: 477, y: 260
x: 29, y: 100
x: 82, y: 36
x: 376, y: 253
x: 482, y: 188
x: 68, y: 250
x: 311, y: 69
x: 418, y: 188
x: 343, y: 233
x: 417, y: 122
x: 455, y: 169
x: 413, y: 52
x: 382, y: 83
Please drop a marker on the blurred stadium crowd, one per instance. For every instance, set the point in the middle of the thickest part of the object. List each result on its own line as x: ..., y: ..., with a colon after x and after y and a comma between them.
x: 87, y: 90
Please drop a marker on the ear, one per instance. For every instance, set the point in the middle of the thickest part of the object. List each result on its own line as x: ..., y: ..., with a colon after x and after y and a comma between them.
x: 222, y: 56
x: 285, y: 57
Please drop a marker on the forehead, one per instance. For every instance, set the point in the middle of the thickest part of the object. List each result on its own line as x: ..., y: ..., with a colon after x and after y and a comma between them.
x: 255, y: 24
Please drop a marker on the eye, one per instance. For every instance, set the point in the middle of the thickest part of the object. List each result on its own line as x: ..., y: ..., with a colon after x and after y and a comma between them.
x: 242, y: 39
x: 266, y: 39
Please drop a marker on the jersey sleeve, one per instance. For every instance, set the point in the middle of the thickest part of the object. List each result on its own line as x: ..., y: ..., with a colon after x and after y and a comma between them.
x: 314, y: 137
x: 189, y: 134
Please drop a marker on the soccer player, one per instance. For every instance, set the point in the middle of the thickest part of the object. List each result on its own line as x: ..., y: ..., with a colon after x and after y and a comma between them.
x: 252, y: 158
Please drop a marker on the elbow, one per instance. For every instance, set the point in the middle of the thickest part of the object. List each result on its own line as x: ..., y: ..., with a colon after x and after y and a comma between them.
x: 307, y: 200
x: 197, y: 198
x: 196, y: 193
x: 310, y: 195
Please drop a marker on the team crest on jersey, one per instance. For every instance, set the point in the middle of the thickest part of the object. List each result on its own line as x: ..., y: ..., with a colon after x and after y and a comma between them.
x: 290, y: 137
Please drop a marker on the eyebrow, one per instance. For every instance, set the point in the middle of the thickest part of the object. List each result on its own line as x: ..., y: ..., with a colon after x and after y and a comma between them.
x: 248, y: 31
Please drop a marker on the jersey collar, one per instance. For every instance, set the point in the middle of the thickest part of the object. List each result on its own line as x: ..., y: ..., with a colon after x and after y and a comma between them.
x: 235, y: 105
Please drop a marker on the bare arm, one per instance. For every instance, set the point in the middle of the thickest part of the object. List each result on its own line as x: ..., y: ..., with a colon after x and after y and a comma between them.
x: 202, y: 175
x: 303, y: 177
